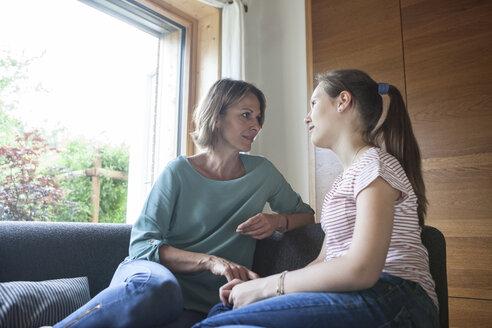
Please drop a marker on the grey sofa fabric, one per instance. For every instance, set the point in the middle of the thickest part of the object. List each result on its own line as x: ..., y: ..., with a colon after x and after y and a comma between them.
x: 35, y: 251
x: 40, y: 251
x: 293, y: 251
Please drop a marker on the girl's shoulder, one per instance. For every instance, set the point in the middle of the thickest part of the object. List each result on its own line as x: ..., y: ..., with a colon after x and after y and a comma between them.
x: 377, y: 159
x: 377, y: 162
x: 378, y: 154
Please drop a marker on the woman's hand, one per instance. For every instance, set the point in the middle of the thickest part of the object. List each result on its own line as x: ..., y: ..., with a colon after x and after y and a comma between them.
x: 241, y: 293
x: 222, y: 267
x: 262, y: 225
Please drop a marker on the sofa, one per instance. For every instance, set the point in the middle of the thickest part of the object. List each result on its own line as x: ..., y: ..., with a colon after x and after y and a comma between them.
x: 39, y: 251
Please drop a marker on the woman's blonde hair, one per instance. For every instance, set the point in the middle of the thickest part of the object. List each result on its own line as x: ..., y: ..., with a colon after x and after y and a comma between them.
x: 221, y: 96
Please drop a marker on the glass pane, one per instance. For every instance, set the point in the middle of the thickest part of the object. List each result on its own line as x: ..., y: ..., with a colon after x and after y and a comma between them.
x: 83, y: 80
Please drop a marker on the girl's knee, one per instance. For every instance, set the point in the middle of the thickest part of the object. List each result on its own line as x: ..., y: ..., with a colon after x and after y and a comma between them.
x: 219, y: 308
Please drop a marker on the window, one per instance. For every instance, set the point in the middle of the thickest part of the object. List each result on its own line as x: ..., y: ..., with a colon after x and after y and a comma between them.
x: 103, y: 73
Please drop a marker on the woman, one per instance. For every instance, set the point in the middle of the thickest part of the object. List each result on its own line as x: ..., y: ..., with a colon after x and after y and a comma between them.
x: 198, y: 227
x: 372, y: 270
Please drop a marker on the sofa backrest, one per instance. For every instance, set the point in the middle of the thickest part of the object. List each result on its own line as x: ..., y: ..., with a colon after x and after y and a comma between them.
x: 434, y: 241
x: 294, y: 250
x: 35, y: 251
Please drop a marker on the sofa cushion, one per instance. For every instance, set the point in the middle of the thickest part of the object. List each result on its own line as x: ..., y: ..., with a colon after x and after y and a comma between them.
x: 38, y: 303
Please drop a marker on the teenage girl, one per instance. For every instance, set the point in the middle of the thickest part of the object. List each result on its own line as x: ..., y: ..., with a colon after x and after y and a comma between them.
x: 373, y: 270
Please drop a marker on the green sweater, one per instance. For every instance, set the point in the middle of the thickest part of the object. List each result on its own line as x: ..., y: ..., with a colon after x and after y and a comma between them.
x: 191, y: 212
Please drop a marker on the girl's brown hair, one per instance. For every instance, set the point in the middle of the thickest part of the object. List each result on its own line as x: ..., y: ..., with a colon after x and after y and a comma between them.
x: 395, y: 133
x: 223, y: 94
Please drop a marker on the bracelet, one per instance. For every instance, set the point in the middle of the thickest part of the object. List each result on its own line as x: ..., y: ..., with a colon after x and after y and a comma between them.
x: 280, y: 283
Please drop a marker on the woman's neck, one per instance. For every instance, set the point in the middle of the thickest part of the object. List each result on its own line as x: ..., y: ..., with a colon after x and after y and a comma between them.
x: 219, y: 165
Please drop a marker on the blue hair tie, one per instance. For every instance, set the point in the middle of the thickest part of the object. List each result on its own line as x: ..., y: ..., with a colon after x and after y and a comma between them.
x: 383, y: 88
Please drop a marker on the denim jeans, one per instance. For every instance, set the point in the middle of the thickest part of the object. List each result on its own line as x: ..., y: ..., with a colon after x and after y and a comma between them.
x: 391, y: 302
x: 141, y: 294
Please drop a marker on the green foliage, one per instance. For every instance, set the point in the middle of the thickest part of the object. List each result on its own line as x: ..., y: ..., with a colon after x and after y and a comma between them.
x: 79, y: 156
x: 12, y: 72
x: 28, y: 188
x: 114, y: 192
x: 76, y: 156
x: 26, y: 192
x: 9, y: 128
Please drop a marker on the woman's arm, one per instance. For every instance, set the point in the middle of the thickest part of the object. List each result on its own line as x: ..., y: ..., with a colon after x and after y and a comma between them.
x: 282, y: 199
x: 181, y: 261
x: 358, y: 269
x: 263, y: 225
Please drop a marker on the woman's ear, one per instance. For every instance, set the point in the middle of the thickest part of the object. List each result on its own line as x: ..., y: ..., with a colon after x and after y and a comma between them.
x: 344, y: 101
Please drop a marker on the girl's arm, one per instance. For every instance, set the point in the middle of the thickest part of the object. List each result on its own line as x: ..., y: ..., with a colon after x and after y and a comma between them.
x: 358, y: 269
x: 322, y: 254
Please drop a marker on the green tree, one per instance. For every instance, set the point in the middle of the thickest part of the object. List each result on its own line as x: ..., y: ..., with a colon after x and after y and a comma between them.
x: 114, y: 192
x: 80, y: 156
x: 26, y: 192
x: 28, y: 188
x: 12, y: 73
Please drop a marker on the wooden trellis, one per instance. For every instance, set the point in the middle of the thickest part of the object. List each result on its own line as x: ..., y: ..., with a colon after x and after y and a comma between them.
x: 95, y: 173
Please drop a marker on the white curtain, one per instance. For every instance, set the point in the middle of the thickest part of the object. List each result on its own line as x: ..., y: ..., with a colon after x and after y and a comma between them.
x: 232, y: 37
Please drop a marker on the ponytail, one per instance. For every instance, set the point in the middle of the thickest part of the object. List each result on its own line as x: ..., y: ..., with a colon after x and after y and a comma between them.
x: 397, y: 134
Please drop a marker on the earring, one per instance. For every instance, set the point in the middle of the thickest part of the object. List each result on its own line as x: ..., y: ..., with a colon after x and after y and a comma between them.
x: 339, y: 109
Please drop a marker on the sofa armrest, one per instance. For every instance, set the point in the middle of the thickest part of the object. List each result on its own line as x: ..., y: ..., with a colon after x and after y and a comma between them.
x: 295, y: 250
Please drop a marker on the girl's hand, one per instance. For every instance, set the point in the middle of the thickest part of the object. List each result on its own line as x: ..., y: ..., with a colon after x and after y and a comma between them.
x: 222, y: 267
x: 225, y: 290
x: 241, y: 293
x: 262, y: 225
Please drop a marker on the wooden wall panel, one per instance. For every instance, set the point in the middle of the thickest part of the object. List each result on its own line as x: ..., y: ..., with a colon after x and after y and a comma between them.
x: 345, y: 35
x: 354, y: 34
x: 469, y: 313
x: 448, y: 63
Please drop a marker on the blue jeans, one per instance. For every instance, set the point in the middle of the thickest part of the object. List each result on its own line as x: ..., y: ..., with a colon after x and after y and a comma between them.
x: 391, y: 302
x: 141, y: 294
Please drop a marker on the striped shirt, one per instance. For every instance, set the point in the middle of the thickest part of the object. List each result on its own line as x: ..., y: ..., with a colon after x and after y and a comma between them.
x: 407, y: 257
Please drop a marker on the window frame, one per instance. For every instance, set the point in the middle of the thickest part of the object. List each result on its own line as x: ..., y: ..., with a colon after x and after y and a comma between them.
x: 159, y: 25
x: 203, y: 58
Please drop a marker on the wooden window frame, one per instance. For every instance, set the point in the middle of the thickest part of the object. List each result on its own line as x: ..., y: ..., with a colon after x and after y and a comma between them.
x: 202, y: 55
